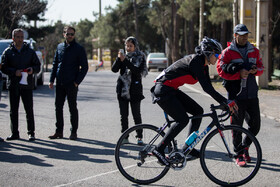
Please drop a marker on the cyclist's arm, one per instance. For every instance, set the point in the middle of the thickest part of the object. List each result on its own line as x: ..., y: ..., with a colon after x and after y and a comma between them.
x: 205, y: 82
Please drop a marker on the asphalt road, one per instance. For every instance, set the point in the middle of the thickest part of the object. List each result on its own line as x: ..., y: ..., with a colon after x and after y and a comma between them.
x: 89, y: 161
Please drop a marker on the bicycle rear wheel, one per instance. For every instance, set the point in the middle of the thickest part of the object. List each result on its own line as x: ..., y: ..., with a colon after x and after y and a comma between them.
x: 220, y: 166
x: 135, y: 162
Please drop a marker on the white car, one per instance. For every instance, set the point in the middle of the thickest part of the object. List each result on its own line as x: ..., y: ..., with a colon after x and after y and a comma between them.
x: 39, y: 77
x: 157, y: 61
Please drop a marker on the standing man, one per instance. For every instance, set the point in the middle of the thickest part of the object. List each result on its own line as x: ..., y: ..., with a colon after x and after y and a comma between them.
x: 239, y: 65
x: 17, y: 61
x: 70, y: 66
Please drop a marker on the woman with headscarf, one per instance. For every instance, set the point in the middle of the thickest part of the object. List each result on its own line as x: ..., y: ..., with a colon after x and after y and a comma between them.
x: 132, y: 67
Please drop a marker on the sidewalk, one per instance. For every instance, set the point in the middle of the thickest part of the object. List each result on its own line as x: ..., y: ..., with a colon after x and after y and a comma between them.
x: 270, y: 104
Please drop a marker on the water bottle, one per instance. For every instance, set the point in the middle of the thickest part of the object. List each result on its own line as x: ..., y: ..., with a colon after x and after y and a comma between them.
x: 191, y: 138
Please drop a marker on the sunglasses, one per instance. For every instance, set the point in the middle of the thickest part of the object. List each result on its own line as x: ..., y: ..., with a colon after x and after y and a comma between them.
x: 70, y: 34
x: 216, y: 55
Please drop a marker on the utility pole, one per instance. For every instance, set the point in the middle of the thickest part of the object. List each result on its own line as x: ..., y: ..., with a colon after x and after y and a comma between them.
x: 262, y: 39
x: 254, y: 14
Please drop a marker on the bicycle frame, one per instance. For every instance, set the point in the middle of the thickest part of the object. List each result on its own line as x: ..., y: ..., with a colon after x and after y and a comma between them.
x: 217, y: 149
x: 215, y: 122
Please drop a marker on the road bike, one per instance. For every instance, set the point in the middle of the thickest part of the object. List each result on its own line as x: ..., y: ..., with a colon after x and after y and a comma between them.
x: 218, y: 152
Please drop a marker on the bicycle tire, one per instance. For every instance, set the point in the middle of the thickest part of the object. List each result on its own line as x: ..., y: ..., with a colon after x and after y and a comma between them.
x: 127, y: 156
x: 220, y: 167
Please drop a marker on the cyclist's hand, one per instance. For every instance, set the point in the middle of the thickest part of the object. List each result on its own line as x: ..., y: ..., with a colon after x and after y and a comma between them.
x: 232, y: 106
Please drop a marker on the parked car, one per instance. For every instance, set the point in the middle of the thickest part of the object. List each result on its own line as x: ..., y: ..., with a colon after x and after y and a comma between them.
x: 157, y: 61
x: 39, y: 77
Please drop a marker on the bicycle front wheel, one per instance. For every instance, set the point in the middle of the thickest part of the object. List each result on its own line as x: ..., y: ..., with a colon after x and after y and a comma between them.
x: 219, y: 163
x: 135, y: 162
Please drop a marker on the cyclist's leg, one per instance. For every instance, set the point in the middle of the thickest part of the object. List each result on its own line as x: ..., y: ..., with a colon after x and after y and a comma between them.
x: 174, y: 108
x: 193, y: 108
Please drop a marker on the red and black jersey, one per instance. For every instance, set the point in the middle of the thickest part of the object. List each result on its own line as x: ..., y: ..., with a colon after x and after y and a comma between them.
x: 189, y: 70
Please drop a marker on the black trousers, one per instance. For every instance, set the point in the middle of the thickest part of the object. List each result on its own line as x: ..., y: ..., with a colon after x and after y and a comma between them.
x: 177, y: 104
x: 250, y: 111
x: 70, y: 92
x: 124, y: 112
x: 26, y: 96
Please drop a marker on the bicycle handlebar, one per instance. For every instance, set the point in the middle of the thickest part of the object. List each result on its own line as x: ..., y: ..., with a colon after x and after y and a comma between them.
x: 225, y: 109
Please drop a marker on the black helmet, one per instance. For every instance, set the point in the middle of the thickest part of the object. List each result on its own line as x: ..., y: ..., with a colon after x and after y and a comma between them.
x: 209, y: 46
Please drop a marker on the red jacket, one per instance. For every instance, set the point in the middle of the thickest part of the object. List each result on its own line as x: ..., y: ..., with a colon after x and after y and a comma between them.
x: 229, y: 65
x: 231, y: 61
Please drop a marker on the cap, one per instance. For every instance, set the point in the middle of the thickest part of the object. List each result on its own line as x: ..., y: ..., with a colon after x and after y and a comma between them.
x: 241, y: 29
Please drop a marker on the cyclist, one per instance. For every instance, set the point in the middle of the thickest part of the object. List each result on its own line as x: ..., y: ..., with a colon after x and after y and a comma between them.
x: 188, y: 70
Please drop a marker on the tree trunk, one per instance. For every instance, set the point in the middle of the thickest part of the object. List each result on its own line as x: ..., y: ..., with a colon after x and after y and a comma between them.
x: 235, y: 13
x: 135, y: 18
x: 223, y: 34
x: 176, y: 35
x: 201, y: 21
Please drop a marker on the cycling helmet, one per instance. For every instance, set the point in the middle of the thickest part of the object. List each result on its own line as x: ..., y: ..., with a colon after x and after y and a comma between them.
x: 209, y: 46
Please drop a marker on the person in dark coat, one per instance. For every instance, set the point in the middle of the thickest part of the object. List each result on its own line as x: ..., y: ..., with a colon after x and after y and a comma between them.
x: 132, y: 67
x: 70, y: 67
x: 20, y: 62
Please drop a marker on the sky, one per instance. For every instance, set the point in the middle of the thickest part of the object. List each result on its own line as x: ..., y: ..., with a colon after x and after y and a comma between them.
x: 74, y: 10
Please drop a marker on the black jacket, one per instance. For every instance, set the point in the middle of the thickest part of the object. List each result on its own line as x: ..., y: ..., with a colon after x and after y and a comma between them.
x: 13, y: 60
x: 70, y: 64
x: 136, y: 87
x: 189, y: 70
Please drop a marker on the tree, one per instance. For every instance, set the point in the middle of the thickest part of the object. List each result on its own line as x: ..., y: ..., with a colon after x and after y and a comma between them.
x: 51, y: 40
x: 83, y: 29
x: 219, y: 15
x: 37, y: 13
x: 14, y: 11
x: 189, y: 11
x: 119, y: 23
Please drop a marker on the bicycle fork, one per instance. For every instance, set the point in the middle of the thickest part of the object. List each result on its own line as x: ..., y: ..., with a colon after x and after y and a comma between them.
x: 225, y: 143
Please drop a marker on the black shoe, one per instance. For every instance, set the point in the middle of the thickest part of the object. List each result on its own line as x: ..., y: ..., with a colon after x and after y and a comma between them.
x: 31, y: 137
x: 73, y: 136
x: 13, y: 137
x: 56, y: 135
x: 195, y: 153
x: 1, y: 139
x: 161, y: 158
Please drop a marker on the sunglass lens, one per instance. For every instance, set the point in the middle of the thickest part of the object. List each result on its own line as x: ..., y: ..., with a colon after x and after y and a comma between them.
x: 69, y: 34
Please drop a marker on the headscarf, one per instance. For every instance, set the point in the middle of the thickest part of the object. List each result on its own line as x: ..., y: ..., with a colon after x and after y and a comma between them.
x: 137, y: 52
x: 126, y: 77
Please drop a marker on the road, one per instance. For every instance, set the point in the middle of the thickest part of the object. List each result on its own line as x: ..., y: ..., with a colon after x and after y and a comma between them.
x: 90, y: 160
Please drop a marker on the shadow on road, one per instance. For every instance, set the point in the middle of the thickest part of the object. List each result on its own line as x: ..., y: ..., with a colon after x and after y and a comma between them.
x: 270, y: 166
x: 54, y: 149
